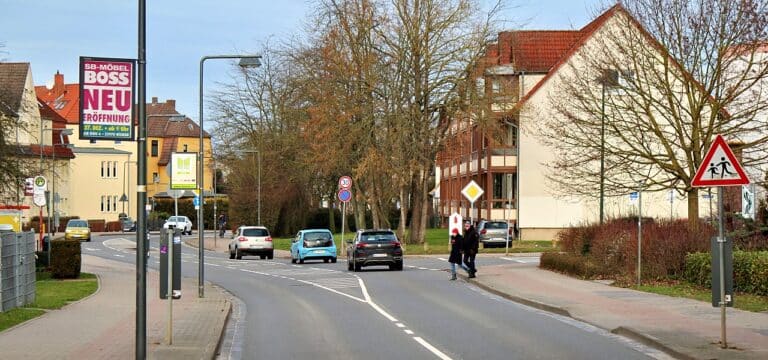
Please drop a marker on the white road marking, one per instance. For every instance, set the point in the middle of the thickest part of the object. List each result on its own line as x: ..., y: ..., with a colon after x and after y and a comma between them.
x: 442, y: 259
x: 431, y: 348
x: 409, y: 332
x: 118, y: 255
x: 400, y: 325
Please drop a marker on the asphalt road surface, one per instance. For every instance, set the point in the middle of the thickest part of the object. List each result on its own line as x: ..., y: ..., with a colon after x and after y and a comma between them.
x: 322, y: 311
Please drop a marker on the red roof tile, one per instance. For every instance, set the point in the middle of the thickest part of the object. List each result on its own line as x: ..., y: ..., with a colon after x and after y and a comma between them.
x: 536, y: 51
x: 64, y: 98
x: 13, y: 77
x: 169, y: 146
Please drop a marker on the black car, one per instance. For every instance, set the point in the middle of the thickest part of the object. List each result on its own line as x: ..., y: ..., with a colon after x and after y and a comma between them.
x: 374, y: 247
x: 127, y: 224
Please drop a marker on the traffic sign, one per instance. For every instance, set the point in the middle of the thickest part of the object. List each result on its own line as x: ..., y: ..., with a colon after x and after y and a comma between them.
x: 720, y: 167
x: 633, y: 196
x: 472, y: 191
x: 344, y: 195
x: 40, y: 186
x: 454, y: 223
x: 196, y: 201
x: 345, y: 182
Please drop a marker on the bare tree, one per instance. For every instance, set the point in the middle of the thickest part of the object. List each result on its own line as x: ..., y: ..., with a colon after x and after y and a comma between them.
x: 652, y: 88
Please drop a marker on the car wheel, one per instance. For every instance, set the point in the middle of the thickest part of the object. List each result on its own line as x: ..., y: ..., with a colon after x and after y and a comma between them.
x: 357, y: 266
x: 301, y: 261
x: 238, y: 255
x: 333, y: 260
x: 271, y: 255
x: 325, y: 261
x: 262, y: 257
x: 399, y: 266
x: 231, y: 254
x: 349, y: 266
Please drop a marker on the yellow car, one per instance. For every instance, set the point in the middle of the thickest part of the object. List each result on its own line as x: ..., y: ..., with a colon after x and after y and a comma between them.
x: 77, y: 229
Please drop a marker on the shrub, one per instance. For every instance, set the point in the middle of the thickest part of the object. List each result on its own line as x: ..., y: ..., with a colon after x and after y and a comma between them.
x: 65, y: 259
x: 577, y: 240
x: 568, y: 263
x: 750, y: 271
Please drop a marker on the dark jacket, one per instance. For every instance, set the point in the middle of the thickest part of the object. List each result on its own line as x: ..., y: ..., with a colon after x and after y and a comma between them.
x: 456, y: 244
x: 471, y: 241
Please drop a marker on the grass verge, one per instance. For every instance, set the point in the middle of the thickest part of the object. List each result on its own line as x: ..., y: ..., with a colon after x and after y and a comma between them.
x: 748, y: 302
x: 437, y: 243
x: 50, y: 294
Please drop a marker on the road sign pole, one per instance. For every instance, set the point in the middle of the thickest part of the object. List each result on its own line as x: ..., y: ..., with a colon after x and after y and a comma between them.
x: 720, y: 241
x: 343, y: 214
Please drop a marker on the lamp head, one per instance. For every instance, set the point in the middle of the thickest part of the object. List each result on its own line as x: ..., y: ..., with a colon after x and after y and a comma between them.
x: 250, y: 61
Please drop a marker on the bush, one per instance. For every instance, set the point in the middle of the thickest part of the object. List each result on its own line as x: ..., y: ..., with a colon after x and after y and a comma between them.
x: 577, y: 240
x: 750, y: 271
x: 65, y: 259
x: 569, y: 264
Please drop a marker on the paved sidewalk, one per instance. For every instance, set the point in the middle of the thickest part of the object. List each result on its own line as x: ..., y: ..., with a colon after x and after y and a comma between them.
x: 683, y: 328
x: 103, y: 325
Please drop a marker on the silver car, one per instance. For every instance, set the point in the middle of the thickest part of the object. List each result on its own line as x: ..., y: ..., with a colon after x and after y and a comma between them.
x: 251, y: 240
x: 493, y: 233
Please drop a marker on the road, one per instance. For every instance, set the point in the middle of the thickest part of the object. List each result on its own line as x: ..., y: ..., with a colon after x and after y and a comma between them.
x: 322, y: 311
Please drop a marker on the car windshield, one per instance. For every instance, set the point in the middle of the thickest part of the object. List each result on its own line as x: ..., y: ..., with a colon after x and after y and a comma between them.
x: 496, y: 225
x: 78, y: 223
x: 383, y: 236
x: 176, y: 219
x: 255, y: 232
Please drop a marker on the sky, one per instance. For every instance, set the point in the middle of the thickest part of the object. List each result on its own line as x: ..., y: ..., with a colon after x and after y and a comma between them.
x: 52, y: 34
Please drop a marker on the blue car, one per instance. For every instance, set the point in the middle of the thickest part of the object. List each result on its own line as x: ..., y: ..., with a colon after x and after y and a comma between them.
x: 313, y: 244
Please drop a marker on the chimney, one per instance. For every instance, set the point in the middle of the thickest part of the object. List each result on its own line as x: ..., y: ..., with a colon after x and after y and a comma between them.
x: 58, y: 84
x: 172, y: 104
x: 154, y: 100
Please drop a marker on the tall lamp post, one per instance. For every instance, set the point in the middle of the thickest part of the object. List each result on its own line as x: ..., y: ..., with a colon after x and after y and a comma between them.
x: 258, y: 182
x: 245, y: 61
x: 62, y: 133
x: 602, y: 147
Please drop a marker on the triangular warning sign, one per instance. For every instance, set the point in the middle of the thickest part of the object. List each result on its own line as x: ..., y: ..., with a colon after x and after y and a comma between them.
x: 720, y: 167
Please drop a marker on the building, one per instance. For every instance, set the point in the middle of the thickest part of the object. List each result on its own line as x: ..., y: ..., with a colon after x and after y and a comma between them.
x: 39, y: 148
x: 518, y: 77
x: 104, y: 171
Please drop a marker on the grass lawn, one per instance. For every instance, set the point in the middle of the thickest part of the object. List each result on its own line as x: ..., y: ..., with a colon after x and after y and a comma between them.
x: 742, y: 301
x: 436, y: 243
x: 50, y: 294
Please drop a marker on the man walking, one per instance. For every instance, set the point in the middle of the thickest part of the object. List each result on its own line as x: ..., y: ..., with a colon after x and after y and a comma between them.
x: 470, y: 246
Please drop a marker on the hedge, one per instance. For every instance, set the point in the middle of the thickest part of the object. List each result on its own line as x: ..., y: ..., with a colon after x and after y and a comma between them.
x: 750, y: 271
x: 65, y: 259
x: 571, y: 264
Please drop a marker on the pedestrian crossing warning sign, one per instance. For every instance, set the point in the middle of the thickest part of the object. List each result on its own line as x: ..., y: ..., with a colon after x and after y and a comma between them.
x: 720, y: 167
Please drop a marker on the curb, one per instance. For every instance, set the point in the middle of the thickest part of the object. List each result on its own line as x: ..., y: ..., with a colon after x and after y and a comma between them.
x: 621, y: 330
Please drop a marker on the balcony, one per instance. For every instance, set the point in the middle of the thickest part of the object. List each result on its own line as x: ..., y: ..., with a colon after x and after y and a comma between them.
x: 500, y: 158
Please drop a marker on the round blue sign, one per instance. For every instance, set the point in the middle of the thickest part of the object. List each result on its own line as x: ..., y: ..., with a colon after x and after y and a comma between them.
x: 345, y: 195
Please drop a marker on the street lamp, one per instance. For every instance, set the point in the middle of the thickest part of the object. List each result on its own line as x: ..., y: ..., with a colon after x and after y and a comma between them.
x: 602, y: 146
x: 126, y: 180
x: 245, y: 61
x: 517, y: 183
x: 62, y: 133
x: 258, y: 181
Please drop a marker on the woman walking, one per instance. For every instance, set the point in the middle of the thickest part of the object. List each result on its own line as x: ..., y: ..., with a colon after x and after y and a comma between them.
x: 455, y: 257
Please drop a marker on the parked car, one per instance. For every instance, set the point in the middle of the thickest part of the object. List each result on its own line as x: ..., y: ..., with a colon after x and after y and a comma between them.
x: 493, y: 233
x: 77, y: 229
x: 127, y: 224
x: 180, y: 222
x: 374, y: 247
x: 251, y: 240
x: 313, y: 244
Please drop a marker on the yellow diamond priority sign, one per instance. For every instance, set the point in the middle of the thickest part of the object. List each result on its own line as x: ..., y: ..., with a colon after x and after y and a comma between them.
x: 472, y: 191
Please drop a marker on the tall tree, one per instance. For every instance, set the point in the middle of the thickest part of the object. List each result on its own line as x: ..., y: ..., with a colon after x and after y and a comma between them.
x: 661, y: 84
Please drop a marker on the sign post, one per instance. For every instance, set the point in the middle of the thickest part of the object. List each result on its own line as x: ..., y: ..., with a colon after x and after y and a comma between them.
x: 720, y: 168
x: 344, y: 195
x: 472, y: 192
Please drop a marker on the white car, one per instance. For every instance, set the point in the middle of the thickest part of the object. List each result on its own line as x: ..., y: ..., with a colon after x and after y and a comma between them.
x: 251, y: 240
x: 179, y: 222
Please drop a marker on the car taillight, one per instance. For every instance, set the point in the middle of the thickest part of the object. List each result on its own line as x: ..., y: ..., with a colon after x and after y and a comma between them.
x: 269, y: 238
x: 396, y: 244
x: 360, y: 245
x: 242, y: 238
x: 482, y: 232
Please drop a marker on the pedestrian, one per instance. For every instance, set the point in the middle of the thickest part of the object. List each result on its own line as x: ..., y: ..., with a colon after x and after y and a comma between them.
x: 455, y: 257
x: 469, y: 246
x: 222, y: 224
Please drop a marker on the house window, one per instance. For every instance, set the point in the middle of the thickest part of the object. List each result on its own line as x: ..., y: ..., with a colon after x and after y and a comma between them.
x: 480, y: 86
x: 154, y: 148
x: 114, y: 169
x: 103, y: 202
x: 102, y: 169
x: 114, y: 203
x: 617, y: 80
x: 155, y: 178
x: 496, y: 86
x: 185, y: 147
x: 503, y: 189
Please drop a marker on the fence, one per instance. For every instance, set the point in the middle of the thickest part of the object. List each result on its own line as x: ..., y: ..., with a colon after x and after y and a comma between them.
x: 17, y: 270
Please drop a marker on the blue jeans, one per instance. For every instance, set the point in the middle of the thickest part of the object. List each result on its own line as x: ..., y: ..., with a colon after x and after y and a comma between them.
x: 453, y: 268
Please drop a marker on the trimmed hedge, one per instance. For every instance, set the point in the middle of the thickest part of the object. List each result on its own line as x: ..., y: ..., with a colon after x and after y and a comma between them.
x: 569, y: 264
x: 750, y: 271
x: 65, y: 259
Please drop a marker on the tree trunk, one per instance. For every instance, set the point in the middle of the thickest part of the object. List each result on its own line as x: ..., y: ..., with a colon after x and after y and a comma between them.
x: 403, y: 214
x: 693, y: 208
x: 331, y: 214
x: 359, y: 209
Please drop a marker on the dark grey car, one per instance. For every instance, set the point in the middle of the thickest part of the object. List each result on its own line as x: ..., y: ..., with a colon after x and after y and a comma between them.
x: 493, y: 233
x: 374, y: 247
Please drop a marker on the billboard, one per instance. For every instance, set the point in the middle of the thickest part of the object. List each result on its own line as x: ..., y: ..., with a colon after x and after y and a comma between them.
x: 183, y: 171
x: 106, y: 98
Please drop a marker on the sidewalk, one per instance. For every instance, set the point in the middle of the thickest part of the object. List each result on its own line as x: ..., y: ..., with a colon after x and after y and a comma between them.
x: 103, y: 326
x: 683, y: 328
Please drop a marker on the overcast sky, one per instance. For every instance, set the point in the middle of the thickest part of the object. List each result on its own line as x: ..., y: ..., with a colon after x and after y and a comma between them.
x: 53, y: 34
